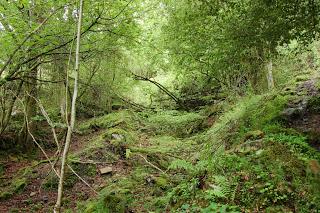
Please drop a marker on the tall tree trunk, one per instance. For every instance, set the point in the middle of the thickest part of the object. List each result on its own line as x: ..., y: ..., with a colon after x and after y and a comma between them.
x: 57, y: 207
x: 270, y: 75
x: 6, y: 116
x: 60, y: 69
x: 30, y: 104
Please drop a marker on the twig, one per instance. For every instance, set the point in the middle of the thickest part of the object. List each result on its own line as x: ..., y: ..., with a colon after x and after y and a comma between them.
x: 82, y: 179
x: 45, y: 114
x: 152, y: 165
x: 88, y: 162
x: 42, y: 150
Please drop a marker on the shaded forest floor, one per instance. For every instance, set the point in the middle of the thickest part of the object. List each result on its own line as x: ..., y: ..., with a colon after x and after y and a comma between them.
x: 259, y: 154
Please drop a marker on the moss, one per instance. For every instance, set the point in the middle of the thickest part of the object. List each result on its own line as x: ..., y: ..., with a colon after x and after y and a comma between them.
x: 140, y: 174
x: 19, y: 184
x: 302, y: 78
x: 318, y: 84
x: 118, y: 135
x: 91, y: 208
x: 84, y: 169
x: 16, y: 186
x: 175, y: 123
x: 161, y: 182
x: 254, y: 135
x: 314, y: 104
x: 122, y: 118
x: 52, y: 181
x: 115, y: 203
x: 276, y: 209
x: 5, y: 195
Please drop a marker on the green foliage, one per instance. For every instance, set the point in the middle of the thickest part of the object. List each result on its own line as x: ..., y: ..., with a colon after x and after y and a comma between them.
x: 221, y: 187
x: 182, y: 164
x: 175, y: 123
x: 228, y: 43
x: 215, y: 207
x: 124, y: 118
x: 297, y: 143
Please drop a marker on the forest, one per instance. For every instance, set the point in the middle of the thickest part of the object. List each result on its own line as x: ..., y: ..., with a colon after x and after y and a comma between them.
x: 129, y: 106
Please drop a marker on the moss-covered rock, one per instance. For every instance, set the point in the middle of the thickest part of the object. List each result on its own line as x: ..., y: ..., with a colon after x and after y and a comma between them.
x: 161, y: 182
x: 254, y: 135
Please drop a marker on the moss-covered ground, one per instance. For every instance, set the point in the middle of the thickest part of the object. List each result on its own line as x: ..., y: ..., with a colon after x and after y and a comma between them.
x: 252, y: 156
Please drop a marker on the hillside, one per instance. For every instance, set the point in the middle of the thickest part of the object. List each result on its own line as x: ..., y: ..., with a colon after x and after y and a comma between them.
x: 118, y: 106
x: 260, y: 154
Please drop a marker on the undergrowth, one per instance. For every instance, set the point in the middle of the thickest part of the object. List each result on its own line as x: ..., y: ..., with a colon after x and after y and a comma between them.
x: 248, y: 161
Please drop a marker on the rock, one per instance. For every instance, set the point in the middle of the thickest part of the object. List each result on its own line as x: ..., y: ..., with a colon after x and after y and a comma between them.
x: 117, y: 136
x: 293, y: 113
x: 106, y: 170
x: 150, y: 180
x: 33, y: 194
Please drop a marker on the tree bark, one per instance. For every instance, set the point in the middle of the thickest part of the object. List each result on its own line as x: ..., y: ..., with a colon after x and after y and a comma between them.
x: 30, y: 105
x: 6, y: 116
x: 57, y: 207
x: 270, y: 75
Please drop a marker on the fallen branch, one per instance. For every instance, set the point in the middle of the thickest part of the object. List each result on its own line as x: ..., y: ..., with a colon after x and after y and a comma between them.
x: 82, y: 179
x: 88, y: 162
x: 152, y: 165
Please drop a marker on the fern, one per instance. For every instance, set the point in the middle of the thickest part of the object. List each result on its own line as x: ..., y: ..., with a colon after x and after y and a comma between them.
x: 222, y: 188
x: 215, y: 207
x: 182, y: 164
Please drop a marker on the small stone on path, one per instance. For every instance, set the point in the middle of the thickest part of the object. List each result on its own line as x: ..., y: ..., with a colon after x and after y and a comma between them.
x: 106, y: 170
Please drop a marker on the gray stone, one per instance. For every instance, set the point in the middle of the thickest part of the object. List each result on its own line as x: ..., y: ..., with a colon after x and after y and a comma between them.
x: 117, y: 136
x: 106, y: 170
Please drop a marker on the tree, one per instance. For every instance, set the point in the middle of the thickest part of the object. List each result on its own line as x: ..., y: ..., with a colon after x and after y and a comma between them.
x: 229, y: 43
x: 73, y: 115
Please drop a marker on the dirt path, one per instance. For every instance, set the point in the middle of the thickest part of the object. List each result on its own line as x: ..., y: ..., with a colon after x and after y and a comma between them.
x: 33, y: 197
